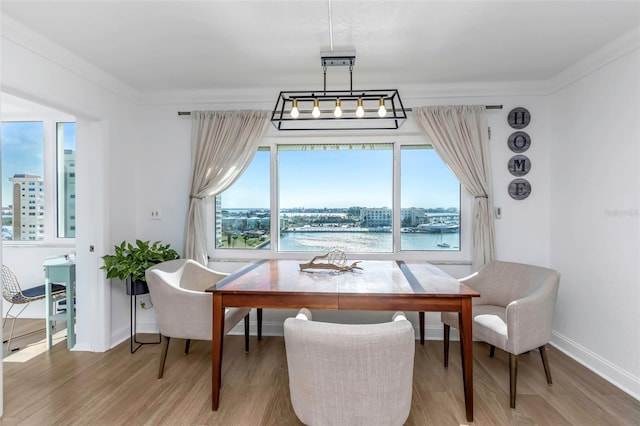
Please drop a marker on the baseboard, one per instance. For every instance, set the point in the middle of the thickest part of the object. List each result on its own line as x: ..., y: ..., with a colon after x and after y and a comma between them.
x: 612, y: 373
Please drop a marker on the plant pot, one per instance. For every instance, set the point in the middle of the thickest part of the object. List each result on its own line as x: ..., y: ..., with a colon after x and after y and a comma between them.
x: 136, y: 287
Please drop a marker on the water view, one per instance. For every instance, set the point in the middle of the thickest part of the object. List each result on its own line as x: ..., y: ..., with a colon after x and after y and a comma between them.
x: 366, y: 242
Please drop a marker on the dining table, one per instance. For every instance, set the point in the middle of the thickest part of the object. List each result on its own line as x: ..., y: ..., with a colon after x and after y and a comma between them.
x: 374, y: 285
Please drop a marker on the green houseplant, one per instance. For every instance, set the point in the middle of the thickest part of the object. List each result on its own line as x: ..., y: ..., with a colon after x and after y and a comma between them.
x: 130, y: 261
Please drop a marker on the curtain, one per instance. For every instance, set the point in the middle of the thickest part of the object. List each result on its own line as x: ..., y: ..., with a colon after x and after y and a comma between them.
x: 459, y: 134
x: 223, y: 144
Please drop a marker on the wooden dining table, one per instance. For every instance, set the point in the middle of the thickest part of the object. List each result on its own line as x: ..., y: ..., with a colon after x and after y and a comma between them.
x: 382, y: 285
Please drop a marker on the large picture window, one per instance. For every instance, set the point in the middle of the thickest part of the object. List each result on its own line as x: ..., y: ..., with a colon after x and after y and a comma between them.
x: 374, y: 198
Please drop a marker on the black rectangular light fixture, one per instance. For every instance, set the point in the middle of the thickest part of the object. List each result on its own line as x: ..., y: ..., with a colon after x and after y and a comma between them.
x: 338, y: 109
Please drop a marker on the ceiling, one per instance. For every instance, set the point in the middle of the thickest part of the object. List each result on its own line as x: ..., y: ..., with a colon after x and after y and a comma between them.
x: 212, y: 45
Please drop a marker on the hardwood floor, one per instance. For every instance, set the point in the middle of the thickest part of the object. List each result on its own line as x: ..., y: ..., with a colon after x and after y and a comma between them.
x: 118, y: 388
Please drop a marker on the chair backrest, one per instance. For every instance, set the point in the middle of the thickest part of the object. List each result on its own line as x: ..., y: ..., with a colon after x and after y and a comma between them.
x: 11, y: 291
x: 342, y: 374
x: 180, y: 312
x: 503, y: 282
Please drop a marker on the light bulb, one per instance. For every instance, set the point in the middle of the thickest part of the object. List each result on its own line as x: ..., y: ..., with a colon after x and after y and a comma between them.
x: 338, y: 111
x: 295, y: 112
x: 359, y: 109
x: 382, y: 111
x: 316, y: 109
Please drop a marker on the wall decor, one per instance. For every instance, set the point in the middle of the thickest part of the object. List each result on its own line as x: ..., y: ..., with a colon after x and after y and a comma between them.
x: 519, y: 165
x: 519, y: 142
x: 519, y: 189
x: 519, y: 118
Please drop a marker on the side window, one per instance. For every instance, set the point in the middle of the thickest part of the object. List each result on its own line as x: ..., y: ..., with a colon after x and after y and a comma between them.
x: 66, y: 179
x: 430, y: 201
x: 23, y: 202
x: 242, y: 212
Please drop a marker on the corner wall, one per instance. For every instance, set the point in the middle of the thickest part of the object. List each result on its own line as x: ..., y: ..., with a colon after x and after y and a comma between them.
x: 595, y: 235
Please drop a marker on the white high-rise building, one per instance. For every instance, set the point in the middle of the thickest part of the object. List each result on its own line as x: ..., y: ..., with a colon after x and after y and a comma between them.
x: 28, y: 207
x: 67, y: 196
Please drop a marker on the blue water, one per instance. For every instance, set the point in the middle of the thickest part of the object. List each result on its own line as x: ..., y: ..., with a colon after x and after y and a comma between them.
x: 365, y: 242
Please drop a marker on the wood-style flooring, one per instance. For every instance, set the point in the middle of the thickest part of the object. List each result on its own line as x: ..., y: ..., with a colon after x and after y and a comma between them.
x: 62, y: 387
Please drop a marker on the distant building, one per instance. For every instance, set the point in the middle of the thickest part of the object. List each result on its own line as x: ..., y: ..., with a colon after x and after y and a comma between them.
x: 67, y: 203
x: 412, y: 216
x: 374, y: 217
x: 28, y: 207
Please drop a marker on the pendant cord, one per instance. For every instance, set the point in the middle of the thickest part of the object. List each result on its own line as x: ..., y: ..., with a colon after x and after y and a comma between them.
x: 330, y: 27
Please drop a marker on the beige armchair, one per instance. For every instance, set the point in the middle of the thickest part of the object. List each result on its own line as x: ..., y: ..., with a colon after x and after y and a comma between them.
x: 514, y: 312
x: 182, y: 307
x: 342, y: 374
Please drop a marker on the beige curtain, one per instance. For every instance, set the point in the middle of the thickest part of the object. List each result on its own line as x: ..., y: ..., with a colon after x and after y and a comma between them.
x: 223, y: 144
x: 459, y: 134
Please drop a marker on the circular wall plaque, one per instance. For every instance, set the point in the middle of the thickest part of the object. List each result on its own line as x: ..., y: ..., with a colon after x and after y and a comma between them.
x: 519, y: 189
x: 519, y: 165
x: 519, y: 141
x: 519, y: 118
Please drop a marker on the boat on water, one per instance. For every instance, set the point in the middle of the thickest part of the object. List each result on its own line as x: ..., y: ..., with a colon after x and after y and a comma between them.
x: 438, y: 227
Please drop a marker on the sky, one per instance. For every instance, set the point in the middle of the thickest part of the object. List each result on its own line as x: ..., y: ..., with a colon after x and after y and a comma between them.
x: 346, y: 178
x: 23, y: 151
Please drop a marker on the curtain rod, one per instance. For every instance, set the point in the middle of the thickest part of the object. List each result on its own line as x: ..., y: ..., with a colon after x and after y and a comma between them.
x: 406, y: 109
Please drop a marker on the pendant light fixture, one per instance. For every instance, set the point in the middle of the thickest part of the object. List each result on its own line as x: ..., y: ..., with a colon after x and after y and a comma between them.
x: 338, y: 109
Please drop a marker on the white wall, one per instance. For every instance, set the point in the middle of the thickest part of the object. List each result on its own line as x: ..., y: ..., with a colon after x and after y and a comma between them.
x: 595, y: 136
x: 39, y: 71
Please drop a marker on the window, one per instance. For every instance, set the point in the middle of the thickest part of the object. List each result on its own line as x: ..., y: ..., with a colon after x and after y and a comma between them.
x: 28, y: 162
x: 335, y: 196
x: 242, y: 212
x: 66, y: 179
x: 430, y: 200
x: 369, y: 198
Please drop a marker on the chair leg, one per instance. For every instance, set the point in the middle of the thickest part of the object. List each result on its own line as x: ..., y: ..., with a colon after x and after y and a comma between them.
x: 421, y: 321
x: 163, y: 355
x: 492, y: 351
x: 187, y: 345
x: 545, y: 363
x: 13, y: 323
x: 259, y: 317
x: 513, y: 378
x: 447, y: 330
x: 246, y: 333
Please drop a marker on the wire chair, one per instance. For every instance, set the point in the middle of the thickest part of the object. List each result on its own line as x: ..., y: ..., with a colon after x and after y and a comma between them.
x: 13, y: 293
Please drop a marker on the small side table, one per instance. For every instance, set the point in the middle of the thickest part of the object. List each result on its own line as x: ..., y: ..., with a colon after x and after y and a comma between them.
x: 135, y: 288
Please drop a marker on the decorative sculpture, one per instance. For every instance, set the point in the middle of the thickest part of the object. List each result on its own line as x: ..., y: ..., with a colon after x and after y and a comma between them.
x: 336, y: 260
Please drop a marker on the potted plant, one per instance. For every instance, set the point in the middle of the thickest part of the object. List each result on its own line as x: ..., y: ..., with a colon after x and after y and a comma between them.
x: 131, y: 261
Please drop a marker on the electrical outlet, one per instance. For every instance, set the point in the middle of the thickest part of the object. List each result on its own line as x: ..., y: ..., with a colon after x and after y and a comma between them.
x: 498, y: 212
x: 154, y: 214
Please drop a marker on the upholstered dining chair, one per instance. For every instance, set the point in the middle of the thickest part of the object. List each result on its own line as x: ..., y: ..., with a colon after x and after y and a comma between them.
x: 514, y: 312
x: 343, y: 374
x: 13, y: 293
x: 183, y: 308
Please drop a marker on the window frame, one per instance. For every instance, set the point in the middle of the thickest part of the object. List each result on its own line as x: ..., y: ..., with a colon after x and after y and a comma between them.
x: 49, y: 124
x: 463, y: 255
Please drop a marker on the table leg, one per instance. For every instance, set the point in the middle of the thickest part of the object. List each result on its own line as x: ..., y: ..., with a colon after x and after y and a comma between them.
x: 71, y: 314
x: 466, y: 341
x: 216, y: 350
x: 48, y: 311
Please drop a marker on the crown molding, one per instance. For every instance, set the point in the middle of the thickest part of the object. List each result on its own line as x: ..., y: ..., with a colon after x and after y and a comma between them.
x: 599, y: 58
x: 15, y: 32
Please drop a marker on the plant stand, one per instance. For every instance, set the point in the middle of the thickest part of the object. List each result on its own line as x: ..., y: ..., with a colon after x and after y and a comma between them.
x: 134, y: 289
